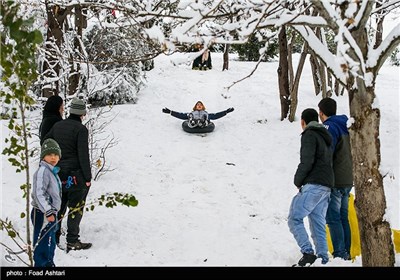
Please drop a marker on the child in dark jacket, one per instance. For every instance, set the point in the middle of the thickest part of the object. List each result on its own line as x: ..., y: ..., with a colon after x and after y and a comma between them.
x: 46, y: 202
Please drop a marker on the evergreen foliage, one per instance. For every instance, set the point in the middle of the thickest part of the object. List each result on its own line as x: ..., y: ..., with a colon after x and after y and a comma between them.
x: 250, y: 51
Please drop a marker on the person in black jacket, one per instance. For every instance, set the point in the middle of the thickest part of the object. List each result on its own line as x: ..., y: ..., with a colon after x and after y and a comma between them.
x: 75, y: 170
x: 203, y: 61
x: 314, y: 178
x: 52, y: 112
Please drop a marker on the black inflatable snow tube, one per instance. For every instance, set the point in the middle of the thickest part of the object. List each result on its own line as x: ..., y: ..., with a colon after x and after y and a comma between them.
x: 209, y: 128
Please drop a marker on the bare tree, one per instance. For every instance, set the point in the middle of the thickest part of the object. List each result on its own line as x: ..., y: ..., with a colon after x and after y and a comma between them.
x: 283, y: 73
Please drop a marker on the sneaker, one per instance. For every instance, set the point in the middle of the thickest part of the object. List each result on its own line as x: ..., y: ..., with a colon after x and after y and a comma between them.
x: 78, y: 245
x: 324, y: 261
x: 307, y: 259
x: 345, y: 256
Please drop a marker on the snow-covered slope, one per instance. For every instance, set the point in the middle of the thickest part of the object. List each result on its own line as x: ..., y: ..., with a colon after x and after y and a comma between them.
x: 219, y: 200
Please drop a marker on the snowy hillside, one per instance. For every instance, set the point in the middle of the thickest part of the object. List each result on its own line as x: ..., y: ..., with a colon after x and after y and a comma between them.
x: 219, y: 200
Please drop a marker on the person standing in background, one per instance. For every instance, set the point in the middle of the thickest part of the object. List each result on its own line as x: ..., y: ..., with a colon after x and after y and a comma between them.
x: 53, y: 112
x: 337, y: 216
x: 75, y: 173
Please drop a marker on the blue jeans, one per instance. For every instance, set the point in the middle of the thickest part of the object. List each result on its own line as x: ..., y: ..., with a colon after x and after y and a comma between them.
x: 43, y: 254
x: 337, y: 218
x: 312, y: 202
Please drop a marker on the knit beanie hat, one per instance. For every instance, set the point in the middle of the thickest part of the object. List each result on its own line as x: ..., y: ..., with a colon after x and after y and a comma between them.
x: 77, y: 107
x: 50, y: 146
x: 327, y: 106
x: 53, y: 104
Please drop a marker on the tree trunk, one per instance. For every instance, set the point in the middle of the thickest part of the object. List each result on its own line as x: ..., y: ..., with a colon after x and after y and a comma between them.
x: 315, y: 73
x: 379, y: 26
x: 329, y: 84
x: 322, y: 70
x: 51, y: 66
x: 225, y: 65
x: 295, y: 86
x: 26, y: 136
x: 290, y: 62
x: 74, y: 78
x: 375, y: 234
x: 370, y: 202
x: 337, y: 87
x: 283, y: 76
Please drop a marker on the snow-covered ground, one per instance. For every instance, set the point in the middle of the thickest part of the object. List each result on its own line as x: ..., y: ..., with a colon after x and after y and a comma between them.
x: 219, y: 200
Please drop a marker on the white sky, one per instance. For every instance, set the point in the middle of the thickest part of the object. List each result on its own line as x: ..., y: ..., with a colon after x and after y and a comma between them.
x: 194, y: 208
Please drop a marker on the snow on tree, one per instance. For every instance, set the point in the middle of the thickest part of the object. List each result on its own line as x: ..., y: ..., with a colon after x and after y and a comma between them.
x: 355, y: 64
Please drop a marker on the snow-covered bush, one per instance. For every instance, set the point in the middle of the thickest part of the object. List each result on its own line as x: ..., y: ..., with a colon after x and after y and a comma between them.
x: 118, y: 56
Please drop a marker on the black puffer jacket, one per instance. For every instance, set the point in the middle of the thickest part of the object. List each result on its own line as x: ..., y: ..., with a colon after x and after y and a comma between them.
x: 315, y: 165
x: 49, y: 119
x: 72, y: 136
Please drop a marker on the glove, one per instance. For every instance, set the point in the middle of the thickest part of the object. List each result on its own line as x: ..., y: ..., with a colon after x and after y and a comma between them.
x: 166, y: 110
x: 230, y: 110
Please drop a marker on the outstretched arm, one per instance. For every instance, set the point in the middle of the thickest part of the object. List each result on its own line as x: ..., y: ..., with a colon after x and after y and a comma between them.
x: 220, y: 114
x: 182, y: 116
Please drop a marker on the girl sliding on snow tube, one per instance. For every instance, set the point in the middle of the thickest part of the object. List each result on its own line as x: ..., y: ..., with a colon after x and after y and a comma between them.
x: 199, y: 118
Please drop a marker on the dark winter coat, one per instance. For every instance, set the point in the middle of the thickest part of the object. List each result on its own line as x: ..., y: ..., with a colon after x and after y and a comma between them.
x: 49, y: 119
x: 73, y: 138
x: 315, y: 165
x: 211, y: 116
x: 342, y: 159
x: 197, y: 62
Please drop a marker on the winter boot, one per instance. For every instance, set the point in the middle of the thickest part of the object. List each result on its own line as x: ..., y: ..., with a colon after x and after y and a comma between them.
x: 307, y: 259
x: 78, y: 245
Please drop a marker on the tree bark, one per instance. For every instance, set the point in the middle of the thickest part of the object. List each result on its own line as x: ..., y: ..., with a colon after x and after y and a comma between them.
x: 225, y: 65
x: 329, y: 88
x: 295, y: 86
x: 74, y: 78
x: 283, y: 76
x: 370, y: 202
x: 315, y: 73
x: 290, y: 62
x: 379, y: 26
